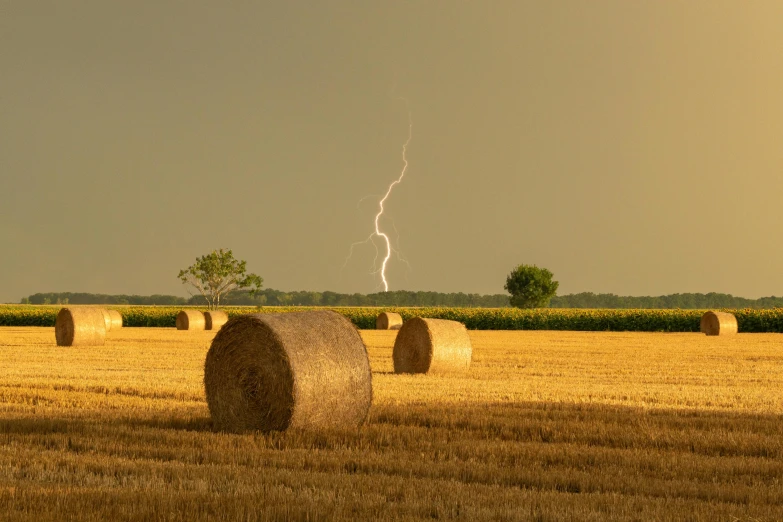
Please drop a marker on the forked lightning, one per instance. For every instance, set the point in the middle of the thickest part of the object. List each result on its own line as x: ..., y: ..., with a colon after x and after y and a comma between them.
x: 378, y: 232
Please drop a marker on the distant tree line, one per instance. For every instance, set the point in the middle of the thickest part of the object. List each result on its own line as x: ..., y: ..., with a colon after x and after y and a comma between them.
x: 684, y: 301
x: 270, y: 297
x: 86, y: 298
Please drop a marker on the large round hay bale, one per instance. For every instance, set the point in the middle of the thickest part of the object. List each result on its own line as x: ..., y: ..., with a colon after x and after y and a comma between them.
x: 106, y: 318
x: 80, y: 326
x: 388, y: 321
x: 116, y: 319
x: 432, y: 346
x: 190, y: 320
x: 271, y: 372
x: 718, y: 323
x: 214, y: 319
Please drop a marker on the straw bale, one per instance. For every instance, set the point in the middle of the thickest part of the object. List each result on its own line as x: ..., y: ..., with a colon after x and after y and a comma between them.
x: 388, y: 321
x: 116, y: 319
x: 106, y: 318
x: 272, y: 372
x: 190, y: 320
x: 718, y: 323
x: 80, y: 326
x: 214, y: 319
x: 432, y: 346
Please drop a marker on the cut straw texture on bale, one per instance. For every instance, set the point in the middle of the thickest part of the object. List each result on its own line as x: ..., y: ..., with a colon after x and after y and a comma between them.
x: 116, y: 319
x: 719, y: 323
x: 214, y: 319
x: 190, y: 320
x: 80, y: 327
x: 272, y: 372
x: 432, y: 346
x: 388, y: 321
x: 106, y: 318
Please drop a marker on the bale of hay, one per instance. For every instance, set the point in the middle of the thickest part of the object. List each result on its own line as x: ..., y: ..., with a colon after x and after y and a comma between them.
x: 718, y: 323
x: 432, y: 346
x: 214, y: 319
x: 80, y: 326
x: 190, y: 320
x: 271, y: 372
x: 106, y: 318
x: 116, y: 319
x: 388, y: 321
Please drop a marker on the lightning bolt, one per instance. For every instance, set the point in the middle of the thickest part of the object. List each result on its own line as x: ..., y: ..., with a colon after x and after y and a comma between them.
x: 377, y: 232
x: 385, y: 197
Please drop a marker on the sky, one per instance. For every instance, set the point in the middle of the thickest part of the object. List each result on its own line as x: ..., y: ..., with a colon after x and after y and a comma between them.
x: 628, y: 147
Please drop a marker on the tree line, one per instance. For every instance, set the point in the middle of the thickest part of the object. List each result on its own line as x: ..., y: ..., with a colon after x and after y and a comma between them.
x: 271, y: 297
x: 684, y: 301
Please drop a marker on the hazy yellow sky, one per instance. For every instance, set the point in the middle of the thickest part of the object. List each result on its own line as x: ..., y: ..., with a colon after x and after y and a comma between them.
x: 630, y: 147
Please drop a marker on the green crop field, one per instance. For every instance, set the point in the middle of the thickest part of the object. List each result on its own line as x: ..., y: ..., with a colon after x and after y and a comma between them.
x: 578, y: 319
x: 546, y: 426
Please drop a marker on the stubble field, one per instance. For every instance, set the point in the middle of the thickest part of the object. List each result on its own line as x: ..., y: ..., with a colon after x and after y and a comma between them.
x: 546, y: 426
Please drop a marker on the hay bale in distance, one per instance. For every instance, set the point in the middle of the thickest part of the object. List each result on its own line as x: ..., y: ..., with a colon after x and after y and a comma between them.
x: 116, y: 319
x: 432, y: 346
x: 388, y: 321
x: 718, y: 323
x: 190, y: 320
x: 80, y: 326
x: 106, y: 318
x: 214, y: 319
x: 271, y: 372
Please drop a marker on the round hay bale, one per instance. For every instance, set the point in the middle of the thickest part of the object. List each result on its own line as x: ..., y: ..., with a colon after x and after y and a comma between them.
x: 116, y: 319
x: 432, y: 346
x: 190, y: 320
x: 214, y: 319
x: 388, y: 321
x: 271, y: 372
x: 718, y: 323
x: 80, y: 327
x: 106, y: 318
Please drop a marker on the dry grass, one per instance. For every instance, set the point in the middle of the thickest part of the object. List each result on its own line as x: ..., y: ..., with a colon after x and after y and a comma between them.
x: 545, y: 426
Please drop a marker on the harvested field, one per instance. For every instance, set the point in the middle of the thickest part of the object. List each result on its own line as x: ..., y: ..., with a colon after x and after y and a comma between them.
x: 544, y: 426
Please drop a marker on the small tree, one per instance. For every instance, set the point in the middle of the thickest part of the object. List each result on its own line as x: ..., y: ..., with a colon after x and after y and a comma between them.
x: 530, y: 286
x: 217, y: 274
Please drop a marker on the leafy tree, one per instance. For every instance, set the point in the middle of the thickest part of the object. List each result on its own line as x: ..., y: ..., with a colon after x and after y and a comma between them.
x: 217, y: 274
x: 530, y: 286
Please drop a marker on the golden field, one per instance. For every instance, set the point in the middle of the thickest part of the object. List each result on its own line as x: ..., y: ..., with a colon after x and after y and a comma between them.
x: 546, y: 426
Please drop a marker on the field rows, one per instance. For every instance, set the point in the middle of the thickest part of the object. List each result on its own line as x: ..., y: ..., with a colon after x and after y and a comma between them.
x: 546, y: 426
